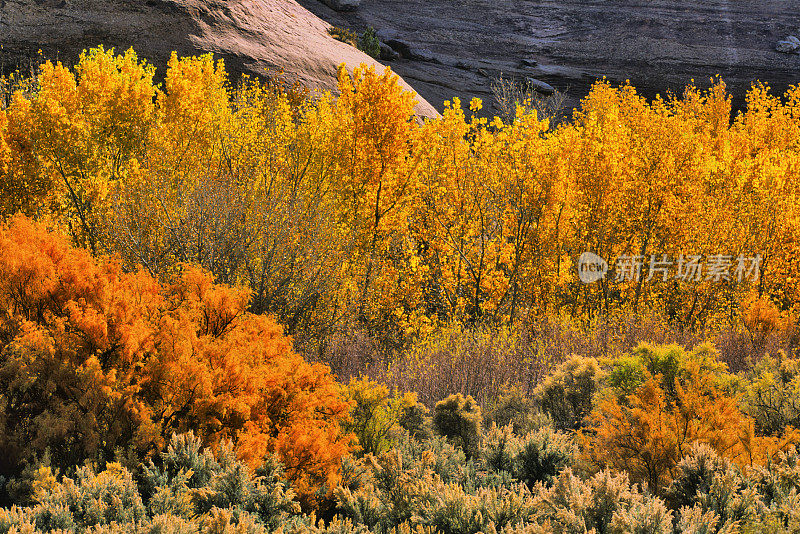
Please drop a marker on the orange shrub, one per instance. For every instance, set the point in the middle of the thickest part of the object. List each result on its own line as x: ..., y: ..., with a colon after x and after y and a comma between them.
x: 92, y: 358
x: 648, y: 432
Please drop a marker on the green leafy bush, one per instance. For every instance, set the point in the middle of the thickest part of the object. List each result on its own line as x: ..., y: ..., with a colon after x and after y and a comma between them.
x: 191, y: 481
x: 515, y: 408
x: 451, y: 510
x: 416, y: 420
x: 628, y: 372
x: 459, y: 419
x: 369, y: 44
x: 376, y: 416
x: 711, y: 483
x: 606, y: 502
x: 541, y: 455
x: 499, y: 448
x: 566, y: 395
x: 438, y: 455
x: 771, y: 394
x: 89, y: 499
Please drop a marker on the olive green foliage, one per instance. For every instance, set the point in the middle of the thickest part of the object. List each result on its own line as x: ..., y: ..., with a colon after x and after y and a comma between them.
x: 88, y: 499
x: 376, y: 415
x: 344, y: 35
x: 542, y: 455
x: 416, y: 419
x: 191, y: 481
x: 606, y: 502
x: 525, y: 477
x: 431, y: 485
x: 513, y: 407
x: 703, y: 479
x: 189, y: 489
x: 459, y: 419
x: 369, y: 44
x: 566, y: 395
x: 628, y: 372
x: 779, y: 486
x: 771, y: 395
x: 537, y: 457
x: 519, y: 484
x: 499, y: 448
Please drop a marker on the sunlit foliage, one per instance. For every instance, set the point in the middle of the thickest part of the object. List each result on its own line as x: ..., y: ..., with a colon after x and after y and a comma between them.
x: 346, y: 210
x: 92, y: 358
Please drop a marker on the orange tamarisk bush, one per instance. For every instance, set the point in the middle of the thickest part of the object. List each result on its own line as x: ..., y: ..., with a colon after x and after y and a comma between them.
x: 647, y: 433
x: 92, y: 358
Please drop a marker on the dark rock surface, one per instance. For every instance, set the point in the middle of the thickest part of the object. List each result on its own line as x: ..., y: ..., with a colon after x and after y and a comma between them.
x: 656, y: 44
x: 342, y: 5
x: 261, y: 37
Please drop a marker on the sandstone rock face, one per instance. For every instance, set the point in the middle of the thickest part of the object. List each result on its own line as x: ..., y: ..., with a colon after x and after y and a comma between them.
x: 259, y: 37
x: 569, y: 44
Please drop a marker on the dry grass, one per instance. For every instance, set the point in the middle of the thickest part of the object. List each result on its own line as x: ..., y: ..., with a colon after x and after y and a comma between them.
x: 480, y: 362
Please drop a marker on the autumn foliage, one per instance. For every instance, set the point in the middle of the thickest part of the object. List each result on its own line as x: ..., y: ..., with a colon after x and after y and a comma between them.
x: 158, y: 240
x: 646, y: 425
x: 93, y: 359
x: 347, y: 211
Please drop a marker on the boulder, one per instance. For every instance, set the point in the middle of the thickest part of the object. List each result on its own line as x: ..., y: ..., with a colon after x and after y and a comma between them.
x: 422, y: 54
x: 388, y: 53
x: 399, y: 46
x: 539, y: 86
x: 790, y: 45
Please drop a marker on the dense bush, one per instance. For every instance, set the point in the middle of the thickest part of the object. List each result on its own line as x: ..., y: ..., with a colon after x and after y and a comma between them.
x: 772, y: 394
x: 566, y: 395
x: 459, y: 418
x: 647, y: 431
x: 703, y: 479
x: 668, y: 363
x: 535, y: 458
x: 93, y: 359
x: 513, y: 407
x: 542, y: 455
x: 187, y: 490
x: 376, y: 416
x: 369, y: 44
x: 606, y: 502
x: 189, y: 481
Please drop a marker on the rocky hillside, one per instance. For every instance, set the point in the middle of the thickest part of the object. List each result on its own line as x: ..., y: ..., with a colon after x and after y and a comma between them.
x: 657, y: 44
x: 254, y: 36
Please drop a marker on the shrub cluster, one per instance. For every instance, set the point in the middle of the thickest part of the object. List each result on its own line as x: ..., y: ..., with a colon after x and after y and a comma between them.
x: 448, y: 472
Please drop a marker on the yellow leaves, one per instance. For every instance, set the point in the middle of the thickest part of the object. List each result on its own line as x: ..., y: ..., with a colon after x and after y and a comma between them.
x: 44, y: 481
x: 195, y: 91
x: 5, y: 150
x: 475, y: 105
x: 344, y: 209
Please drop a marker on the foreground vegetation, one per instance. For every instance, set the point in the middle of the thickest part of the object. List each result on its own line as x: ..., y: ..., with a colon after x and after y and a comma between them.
x: 160, y: 242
